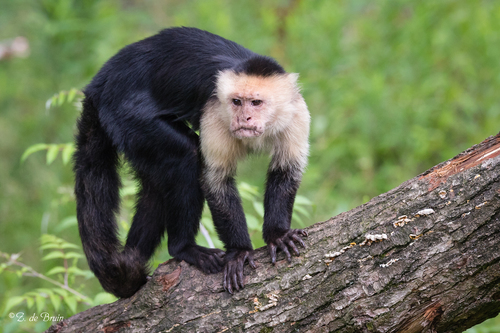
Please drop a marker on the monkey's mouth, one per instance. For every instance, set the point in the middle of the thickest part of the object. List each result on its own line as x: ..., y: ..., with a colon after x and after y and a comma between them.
x: 247, y: 132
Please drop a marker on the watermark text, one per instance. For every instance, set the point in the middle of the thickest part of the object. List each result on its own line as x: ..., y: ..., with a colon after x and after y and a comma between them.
x: 42, y: 316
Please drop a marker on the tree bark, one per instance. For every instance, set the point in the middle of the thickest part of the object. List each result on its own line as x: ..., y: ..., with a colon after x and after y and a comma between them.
x: 426, y: 259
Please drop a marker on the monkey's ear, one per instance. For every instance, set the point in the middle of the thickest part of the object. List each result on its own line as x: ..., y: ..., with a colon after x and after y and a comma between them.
x: 293, y: 77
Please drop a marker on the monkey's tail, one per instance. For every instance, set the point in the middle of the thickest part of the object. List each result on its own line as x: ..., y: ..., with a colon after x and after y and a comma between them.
x: 97, y: 186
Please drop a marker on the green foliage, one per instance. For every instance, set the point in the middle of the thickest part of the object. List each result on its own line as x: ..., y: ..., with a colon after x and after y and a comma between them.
x: 66, y: 149
x: 394, y: 87
x: 61, y: 299
x: 489, y: 326
x: 63, y: 97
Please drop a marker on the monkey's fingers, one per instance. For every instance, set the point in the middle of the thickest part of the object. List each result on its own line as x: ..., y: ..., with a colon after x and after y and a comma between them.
x: 218, y: 252
x: 272, y: 251
x: 227, y: 280
x: 239, y: 271
x: 216, y: 264
x: 298, y: 240
x: 284, y: 248
x: 251, y: 262
x: 291, y: 245
x: 234, y: 277
x: 303, y: 232
x: 218, y: 258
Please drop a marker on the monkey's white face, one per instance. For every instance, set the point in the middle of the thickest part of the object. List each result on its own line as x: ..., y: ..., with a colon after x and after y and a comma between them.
x: 248, y: 116
x: 254, y: 114
x: 253, y: 106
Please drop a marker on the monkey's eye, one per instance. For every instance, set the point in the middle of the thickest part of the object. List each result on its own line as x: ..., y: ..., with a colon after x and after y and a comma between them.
x: 256, y: 102
x: 237, y: 102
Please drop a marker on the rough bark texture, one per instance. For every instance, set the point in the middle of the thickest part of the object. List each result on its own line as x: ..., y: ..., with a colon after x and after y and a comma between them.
x: 437, y: 269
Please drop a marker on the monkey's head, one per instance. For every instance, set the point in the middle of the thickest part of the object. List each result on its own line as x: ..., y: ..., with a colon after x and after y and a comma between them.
x: 254, y: 105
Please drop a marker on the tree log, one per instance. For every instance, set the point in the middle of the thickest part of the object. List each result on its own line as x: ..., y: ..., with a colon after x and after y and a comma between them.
x: 423, y: 257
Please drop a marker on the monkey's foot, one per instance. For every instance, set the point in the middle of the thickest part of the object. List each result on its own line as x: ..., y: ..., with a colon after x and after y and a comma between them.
x: 287, y: 241
x: 208, y: 260
x: 233, y: 271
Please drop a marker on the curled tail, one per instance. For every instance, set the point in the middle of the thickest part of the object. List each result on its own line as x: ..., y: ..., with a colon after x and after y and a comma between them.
x: 97, y: 186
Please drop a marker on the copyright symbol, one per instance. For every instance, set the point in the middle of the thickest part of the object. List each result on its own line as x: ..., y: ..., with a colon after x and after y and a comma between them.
x: 12, y: 315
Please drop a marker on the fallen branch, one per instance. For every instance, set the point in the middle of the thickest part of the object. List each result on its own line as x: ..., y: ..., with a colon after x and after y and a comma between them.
x: 424, y: 256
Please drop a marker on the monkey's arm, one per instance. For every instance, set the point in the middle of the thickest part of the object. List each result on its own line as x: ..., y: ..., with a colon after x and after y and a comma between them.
x: 229, y: 220
x: 290, y: 152
x: 282, y: 185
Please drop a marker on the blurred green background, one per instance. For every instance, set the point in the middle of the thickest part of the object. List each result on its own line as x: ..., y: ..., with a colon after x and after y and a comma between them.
x: 394, y: 87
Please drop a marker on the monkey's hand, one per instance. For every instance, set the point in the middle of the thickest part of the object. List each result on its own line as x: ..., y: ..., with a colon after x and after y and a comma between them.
x: 286, y: 241
x: 233, y: 271
x: 209, y: 261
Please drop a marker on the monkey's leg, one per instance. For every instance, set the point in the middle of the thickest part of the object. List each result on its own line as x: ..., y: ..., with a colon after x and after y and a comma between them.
x: 281, y: 188
x: 178, y: 210
x: 165, y: 158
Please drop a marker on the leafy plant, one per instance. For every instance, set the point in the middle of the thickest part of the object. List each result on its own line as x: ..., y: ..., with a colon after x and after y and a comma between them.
x: 63, y: 280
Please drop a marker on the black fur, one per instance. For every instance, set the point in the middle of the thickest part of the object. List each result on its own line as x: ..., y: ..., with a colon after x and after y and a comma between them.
x: 281, y: 189
x: 260, y: 66
x: 228, y: 216
x: 138, y: 104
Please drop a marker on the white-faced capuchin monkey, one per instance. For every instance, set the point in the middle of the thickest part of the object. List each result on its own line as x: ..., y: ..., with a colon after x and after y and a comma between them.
x: 147, y: 102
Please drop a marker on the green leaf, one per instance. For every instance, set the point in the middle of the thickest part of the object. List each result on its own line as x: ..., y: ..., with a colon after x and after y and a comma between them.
x: 245, y: 187
x: 40, y: 303
x: 33, y: 149
x: 68, y: 150
x: 61, y: 292
x: 53, y: 255
x: 49, y: 246
x: 68, y: 245
x: 61, y: 98
x: 128, y: 190
x: 31, y: 293
x: 252, y: 222
x: 73, y: 255
x: 56, y: 270
x: 12, y: 302
x: 259, y: 208
x: 77, y: 271
x: 301, y: 210
x: 52, y: 153
x: 71, y: 94
x: 208, y: 224
x: 248, y: 191
x: 66, y: 223
x: 71, y: 301
x: 43, y: 291
x: 103, y: 298
x: 46, y: 238
x: 55, y: 300
x: 247, y: 196
x: 87, y: 274
x: 297, y: 219
x: 30, y: 302
x: 301, y: 200
x: 53, y: 100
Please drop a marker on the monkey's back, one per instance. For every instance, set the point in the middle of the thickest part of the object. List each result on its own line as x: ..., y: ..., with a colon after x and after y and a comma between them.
x: 170, y: 74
